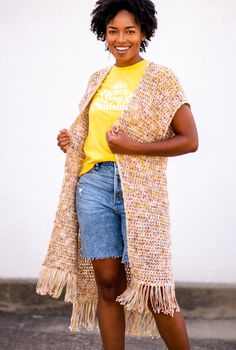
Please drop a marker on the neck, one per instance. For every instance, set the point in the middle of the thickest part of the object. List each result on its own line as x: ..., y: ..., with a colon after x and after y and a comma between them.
x: 128, y: 63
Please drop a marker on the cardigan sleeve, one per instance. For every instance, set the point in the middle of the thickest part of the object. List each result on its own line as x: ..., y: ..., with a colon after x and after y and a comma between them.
x: 93, y: 83
x: 172, y: 97
x: 74, y: 131
x: 80, y: 125
x: 84, y: 98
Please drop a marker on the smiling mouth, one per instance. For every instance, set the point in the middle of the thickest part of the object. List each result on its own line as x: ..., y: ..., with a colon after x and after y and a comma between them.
x: 122, y: 49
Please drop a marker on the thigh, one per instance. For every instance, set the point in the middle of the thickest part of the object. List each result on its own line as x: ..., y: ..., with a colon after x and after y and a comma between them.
x: 100, y: 225
x: 111, y: 273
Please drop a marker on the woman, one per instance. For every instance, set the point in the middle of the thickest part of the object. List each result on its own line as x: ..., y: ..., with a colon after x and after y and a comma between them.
x: 132, y: 117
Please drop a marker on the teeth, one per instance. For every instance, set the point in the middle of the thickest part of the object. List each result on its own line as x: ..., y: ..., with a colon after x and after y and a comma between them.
x: 122, y: 48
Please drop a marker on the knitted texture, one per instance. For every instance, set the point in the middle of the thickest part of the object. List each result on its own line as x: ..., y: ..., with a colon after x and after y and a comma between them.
x: 149, y: 272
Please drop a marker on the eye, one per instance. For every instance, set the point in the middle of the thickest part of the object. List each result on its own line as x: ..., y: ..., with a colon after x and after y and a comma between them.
x: 111, y: 31
x: 130, y: 31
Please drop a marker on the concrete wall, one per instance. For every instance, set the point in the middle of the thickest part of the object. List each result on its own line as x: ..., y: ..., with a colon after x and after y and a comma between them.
x: 47, y: 54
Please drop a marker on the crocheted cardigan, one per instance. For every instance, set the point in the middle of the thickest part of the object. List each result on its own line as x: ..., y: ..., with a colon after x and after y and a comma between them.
x: 149, y: 272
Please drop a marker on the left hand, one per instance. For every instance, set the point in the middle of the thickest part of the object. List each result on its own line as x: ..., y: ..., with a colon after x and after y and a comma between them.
x: 119, y: 142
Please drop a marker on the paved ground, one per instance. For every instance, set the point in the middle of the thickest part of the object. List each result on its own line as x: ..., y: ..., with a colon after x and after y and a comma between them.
x: 37, y: 332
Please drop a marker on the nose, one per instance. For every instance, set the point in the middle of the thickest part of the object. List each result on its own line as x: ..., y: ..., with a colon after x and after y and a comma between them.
x: 121, y: 38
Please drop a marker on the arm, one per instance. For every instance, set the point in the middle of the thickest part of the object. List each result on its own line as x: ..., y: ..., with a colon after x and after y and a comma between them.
x: 184, y: 141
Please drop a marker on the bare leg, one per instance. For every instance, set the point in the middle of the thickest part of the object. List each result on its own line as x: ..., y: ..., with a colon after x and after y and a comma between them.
x: 111, y: 282
x: 172, y: 330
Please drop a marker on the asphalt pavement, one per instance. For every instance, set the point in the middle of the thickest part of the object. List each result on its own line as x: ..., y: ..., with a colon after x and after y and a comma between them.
x: 32, y: 331
x: 29, y: 321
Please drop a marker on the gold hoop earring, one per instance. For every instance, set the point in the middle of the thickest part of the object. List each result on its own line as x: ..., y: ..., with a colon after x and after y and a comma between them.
x: 107, y: 49
x: 106, y: 46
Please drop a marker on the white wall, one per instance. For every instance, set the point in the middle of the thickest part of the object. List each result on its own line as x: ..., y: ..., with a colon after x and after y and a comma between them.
x: 47, y: 53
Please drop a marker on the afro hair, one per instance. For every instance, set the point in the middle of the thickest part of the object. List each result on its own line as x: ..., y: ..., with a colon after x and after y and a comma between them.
x: 143, y: 11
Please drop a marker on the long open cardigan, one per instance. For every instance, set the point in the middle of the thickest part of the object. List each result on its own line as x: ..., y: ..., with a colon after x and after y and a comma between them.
x: 149, y: 273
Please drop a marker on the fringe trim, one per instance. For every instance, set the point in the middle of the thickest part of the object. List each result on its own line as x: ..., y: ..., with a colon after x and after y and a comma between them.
x: 84, y: 315
x: 141, y: 325
x: 139, y: 319
x: 162, y: 298
x: 52, y: 281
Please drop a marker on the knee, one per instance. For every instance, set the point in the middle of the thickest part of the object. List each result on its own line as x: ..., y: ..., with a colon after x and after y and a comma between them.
x: 109, y: 289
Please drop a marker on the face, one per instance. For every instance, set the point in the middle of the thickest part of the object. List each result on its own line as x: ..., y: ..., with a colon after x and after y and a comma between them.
x: 123, y: 36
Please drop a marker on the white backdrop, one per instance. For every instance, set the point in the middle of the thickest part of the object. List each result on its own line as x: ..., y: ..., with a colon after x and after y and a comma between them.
x: 47, y: 54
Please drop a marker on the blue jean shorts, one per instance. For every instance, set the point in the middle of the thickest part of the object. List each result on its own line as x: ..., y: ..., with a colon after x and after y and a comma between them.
x: 101, y: 214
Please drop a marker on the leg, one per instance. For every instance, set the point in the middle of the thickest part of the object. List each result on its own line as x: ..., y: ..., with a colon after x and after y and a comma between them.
x: 172, y: 330
x: 111, y: 282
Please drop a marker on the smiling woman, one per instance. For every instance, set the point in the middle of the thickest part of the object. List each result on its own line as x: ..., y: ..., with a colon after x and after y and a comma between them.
x: 143, y: 13
x: 111, y: 244
x: 123, y: 37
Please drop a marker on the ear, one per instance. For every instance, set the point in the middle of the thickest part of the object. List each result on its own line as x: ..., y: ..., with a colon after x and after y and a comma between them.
x: 143, y: 37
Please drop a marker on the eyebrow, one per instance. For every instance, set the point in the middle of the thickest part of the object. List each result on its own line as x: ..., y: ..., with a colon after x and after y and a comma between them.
x: 109, y: 26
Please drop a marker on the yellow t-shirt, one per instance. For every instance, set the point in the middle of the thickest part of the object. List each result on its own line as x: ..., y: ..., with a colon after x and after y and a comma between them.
x: 105, y: 108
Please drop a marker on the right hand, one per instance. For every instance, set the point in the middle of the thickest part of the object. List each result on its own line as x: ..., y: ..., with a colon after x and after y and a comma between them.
x: 63, y: 140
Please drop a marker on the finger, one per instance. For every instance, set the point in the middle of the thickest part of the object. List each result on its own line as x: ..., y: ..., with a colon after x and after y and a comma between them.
x: 63, y: 130
x: 64, y: 143
x: 65, y: 148
x: 63, y: 138
x: 110, y: 136
x: 112, y: 133
x: 115, y: 129
x: 63, y: 135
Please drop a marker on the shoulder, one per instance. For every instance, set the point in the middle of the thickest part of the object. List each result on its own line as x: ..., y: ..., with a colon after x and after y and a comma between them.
x: 98, y: 74
x: 93, y: 82
x: 162, y: 72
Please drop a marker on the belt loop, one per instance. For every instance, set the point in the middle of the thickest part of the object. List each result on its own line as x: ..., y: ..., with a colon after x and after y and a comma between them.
x: 114, y: 179
x: 116, y: 168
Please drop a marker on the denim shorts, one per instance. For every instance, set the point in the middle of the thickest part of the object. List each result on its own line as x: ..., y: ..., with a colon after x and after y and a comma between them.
x: 101, y: 214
